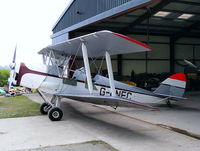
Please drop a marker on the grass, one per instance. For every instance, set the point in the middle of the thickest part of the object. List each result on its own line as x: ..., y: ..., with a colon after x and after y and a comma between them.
x: 18, y: 106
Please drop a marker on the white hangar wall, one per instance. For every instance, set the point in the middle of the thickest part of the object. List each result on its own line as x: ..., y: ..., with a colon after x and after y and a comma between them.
x: 188, y: 49
x: 158, y: 60
x: 155, y: 61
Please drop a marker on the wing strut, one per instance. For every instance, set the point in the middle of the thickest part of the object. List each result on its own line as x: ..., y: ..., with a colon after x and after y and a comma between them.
x: 87, y: 67
x: 110, y: 74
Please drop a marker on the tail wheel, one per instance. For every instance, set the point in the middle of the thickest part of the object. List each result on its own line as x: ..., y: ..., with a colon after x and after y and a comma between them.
x: 44, y: 108
x: 55, y: 114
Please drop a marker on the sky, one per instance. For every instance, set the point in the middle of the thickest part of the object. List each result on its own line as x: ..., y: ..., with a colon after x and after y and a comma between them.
x: 27, y: 24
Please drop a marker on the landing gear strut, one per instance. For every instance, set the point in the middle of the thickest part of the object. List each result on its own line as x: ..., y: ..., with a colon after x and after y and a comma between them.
x: 52, y: 107
x: 55, y: 113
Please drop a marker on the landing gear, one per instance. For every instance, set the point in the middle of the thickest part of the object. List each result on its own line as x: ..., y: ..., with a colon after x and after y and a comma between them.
x: 55, y: 114
x: 52, y: 107
x: 44, y: 108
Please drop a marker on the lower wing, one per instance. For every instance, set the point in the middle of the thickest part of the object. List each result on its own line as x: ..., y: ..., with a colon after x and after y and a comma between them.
x: 107, y: 100
x: 172, y: 97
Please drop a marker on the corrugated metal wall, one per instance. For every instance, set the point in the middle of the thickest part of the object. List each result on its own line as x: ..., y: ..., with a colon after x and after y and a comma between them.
x: 83, y: 9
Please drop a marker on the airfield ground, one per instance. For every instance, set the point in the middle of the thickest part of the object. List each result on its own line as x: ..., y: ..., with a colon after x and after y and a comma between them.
x: 91, y: 127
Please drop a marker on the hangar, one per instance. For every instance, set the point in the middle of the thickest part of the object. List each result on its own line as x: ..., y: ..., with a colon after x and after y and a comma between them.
x: 170, y: 27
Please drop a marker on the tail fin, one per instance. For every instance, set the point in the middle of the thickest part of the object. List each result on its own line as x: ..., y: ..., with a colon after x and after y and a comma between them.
x: 174, y: 86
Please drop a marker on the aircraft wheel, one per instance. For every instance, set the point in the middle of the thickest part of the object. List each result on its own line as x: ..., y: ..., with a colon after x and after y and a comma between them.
x: 55, y: 114
x: 44, y: 108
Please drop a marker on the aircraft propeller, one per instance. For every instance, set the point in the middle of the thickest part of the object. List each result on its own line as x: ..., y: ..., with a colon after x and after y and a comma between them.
x: 12, y: 67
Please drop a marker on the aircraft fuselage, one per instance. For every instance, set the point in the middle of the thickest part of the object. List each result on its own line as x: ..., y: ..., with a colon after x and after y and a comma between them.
x: 49, y: 82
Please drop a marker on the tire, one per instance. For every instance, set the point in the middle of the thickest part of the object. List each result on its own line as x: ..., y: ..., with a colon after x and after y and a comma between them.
x: 44, y: 108
x: 55, y: 114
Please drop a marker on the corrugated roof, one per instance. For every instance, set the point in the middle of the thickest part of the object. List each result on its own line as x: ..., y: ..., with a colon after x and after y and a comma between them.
x: 63, y: 13
x: 81, y: 13
x: 141, y: 20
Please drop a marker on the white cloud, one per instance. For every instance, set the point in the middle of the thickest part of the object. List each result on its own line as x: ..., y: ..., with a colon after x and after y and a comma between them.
x: 27, y: 23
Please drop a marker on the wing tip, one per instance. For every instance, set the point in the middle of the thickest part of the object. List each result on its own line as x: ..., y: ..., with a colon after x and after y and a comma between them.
x: 188, y: 99
x: 133, y: 40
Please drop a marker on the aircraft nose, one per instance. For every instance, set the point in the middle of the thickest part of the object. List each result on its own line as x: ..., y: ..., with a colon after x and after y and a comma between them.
x: 12, y: 71
x: 14, y: 74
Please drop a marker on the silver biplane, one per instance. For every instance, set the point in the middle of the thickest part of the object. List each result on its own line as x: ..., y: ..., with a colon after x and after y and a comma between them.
x: 57, y: 77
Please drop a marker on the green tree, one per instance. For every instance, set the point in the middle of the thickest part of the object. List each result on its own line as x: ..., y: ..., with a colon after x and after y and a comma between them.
x: 4, y: 75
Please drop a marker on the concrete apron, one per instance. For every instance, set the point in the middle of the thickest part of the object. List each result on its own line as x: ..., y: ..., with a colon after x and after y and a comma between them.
x: 123, y: 129
x: 182, y: 117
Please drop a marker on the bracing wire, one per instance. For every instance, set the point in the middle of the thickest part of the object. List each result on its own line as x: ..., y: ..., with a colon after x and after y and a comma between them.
x: 75, y: 56
x: 100, y: 67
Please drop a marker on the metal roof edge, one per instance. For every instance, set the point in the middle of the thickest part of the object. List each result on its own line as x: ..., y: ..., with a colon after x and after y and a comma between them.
x: 63, y: 13
x: 103, y: 15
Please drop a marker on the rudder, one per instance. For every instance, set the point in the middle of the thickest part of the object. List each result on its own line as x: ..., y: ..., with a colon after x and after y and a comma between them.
x: 173, y: 86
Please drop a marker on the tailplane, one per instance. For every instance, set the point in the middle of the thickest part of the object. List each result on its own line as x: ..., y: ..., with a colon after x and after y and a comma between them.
x: 173, y: 87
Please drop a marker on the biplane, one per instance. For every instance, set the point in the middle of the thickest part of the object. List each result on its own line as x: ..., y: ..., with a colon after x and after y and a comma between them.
x: 57, y: 77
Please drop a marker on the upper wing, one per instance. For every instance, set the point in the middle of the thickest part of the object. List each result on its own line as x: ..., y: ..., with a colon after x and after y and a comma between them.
x: 107, y: 100
x: 97, y: 44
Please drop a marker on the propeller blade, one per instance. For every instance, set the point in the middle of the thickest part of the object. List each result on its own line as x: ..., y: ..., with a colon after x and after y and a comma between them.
x: 190, y: 64
x: 10, y: 80
x: 14, y: 56
x: 12, y: 67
